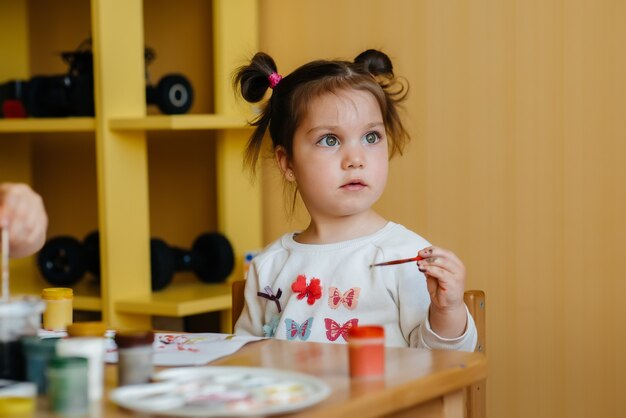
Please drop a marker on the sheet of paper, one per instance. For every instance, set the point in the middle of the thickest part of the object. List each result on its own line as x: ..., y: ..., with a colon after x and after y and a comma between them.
x: 178, y: 349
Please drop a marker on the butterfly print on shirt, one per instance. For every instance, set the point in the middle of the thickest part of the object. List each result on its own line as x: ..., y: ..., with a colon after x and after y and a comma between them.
x: 334, y: 330
x: 269, y: 329
x: 302, y: 332
x: 349, y: 299
x: 312, y: 291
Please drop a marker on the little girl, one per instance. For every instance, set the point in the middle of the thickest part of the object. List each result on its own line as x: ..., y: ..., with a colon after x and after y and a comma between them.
x: 334, y: 125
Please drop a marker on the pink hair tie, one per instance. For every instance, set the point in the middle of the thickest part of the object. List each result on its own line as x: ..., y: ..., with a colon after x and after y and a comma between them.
x: 274, y: 79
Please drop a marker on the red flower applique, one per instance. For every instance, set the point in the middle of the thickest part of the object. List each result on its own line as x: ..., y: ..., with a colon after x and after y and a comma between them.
x: 311, y: 292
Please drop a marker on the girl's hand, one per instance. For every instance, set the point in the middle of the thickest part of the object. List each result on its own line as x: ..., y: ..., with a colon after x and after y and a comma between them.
x: 445, y: 279
x: 23, y: 212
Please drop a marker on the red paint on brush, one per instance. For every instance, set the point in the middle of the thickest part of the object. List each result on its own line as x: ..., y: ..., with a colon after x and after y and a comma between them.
x: 401, y: 261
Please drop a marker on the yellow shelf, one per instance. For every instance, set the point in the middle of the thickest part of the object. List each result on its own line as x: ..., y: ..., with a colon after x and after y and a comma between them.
x: 73, y: 124
x: 119, y: 131
x: 178, y: 122
x: 146, y: 123
x: 86, y: 292
x: 182, y: 298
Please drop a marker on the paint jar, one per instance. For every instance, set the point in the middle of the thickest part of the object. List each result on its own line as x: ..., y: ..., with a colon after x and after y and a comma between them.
x: 86, y: 339
x: 134, y: 365
x: 17, y: 399
x: 38, y: 352
x: 19, y: 317
x: 366, y: 351
x: 68, y: 385
x: 58, y: 313
x: 17, y: 407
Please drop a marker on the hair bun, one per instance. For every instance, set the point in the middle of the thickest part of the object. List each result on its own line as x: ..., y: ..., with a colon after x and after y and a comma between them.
x: 253, y: 79
x: 375, y: 62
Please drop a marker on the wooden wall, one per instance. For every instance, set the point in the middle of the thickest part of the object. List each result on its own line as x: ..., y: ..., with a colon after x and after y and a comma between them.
x: 517, y: 163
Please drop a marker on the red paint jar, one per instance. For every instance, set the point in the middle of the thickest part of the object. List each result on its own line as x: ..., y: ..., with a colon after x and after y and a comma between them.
x: 366, y: 351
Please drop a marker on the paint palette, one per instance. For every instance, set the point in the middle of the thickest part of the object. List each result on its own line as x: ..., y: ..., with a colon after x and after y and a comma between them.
x: 222, y: 391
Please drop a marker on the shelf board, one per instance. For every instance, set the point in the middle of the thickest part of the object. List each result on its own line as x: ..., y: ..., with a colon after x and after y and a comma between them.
x: 70, y: 124
x: 146, y: 123
x: 178, y: 122
x: 180, y: 299
x: 86, y: 292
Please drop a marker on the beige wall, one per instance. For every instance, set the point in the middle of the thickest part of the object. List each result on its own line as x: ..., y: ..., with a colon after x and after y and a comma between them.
x: 517, y: 163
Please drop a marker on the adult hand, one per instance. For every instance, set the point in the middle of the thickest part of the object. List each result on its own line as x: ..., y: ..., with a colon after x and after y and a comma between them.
x: 23, y: 213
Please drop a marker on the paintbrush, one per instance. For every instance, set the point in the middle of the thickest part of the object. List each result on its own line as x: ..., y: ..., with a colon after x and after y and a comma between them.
x: 401, y: 261
x: 5, y: 264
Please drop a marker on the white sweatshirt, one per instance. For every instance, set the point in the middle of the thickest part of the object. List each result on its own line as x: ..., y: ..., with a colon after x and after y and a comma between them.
x: 336, y: 289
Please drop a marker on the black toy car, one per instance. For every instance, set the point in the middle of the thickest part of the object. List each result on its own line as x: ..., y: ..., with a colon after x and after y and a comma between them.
x: 71, y: 94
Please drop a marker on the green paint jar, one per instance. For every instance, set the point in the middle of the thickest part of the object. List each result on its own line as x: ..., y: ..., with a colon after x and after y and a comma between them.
x: 68, y: 385
x: 38, y: 352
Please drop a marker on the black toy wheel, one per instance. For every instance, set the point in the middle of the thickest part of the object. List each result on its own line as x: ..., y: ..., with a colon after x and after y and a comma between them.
x: 215, y: 257
x: 91, y: 246
x: 161, y: 264
x: 174, y: 94
x: 62, y: 261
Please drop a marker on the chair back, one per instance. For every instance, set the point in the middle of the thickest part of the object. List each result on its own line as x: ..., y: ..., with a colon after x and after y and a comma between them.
x: 238, y: 286
x: 476, y: 394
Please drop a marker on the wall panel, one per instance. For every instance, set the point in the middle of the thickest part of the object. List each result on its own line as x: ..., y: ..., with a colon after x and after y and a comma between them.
x: 517, y: 159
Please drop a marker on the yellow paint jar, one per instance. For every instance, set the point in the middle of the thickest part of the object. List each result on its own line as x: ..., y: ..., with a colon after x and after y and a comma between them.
x: 17, y: 407
x: 58, y: 313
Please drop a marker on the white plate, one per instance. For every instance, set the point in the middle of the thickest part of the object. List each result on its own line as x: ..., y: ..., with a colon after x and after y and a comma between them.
x: 222, y: 391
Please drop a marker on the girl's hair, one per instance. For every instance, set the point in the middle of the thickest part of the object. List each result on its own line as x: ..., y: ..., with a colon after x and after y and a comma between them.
x: 371, y: 71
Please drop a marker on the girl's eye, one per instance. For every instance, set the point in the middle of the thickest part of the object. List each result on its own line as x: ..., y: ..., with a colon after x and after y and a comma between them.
x: 328, y: 141
x: 371, y: 137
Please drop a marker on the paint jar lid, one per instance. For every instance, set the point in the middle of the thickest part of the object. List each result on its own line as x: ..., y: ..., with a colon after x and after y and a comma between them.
x: 34, y: 344
x: 67, y: 362
x: 15, y: 389
x: 366, y: 331
x: 57, y: 293
x: 21, y: 307
x: 128, y: 339
x: 87, y: 329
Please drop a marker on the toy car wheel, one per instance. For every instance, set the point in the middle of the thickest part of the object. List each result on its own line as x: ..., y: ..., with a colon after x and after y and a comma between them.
x: 62, y: 261
x: 161, y: 264
x: 174, y: 94
x: 91, y: 246
x: 214, y: 257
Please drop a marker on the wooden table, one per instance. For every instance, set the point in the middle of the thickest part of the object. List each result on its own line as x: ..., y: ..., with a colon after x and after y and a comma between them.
x: 417, y: 383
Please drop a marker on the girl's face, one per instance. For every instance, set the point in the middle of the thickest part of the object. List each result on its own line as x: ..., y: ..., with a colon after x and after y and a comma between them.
x: 340, y: 157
